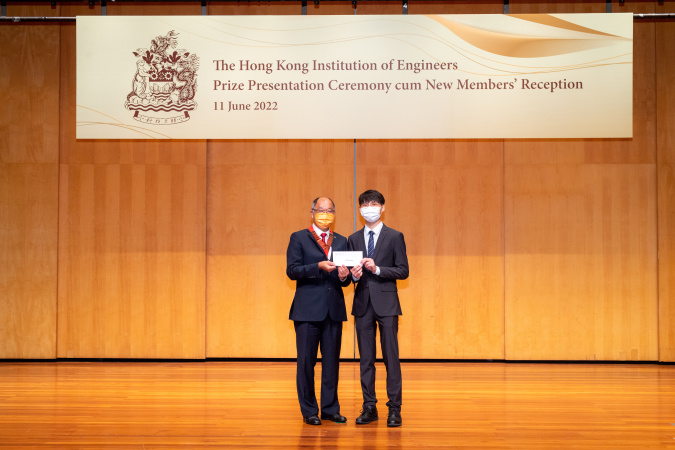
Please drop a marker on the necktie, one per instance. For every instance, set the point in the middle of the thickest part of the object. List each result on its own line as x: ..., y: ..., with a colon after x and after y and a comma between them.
x: 323, y: 238
x: 371, y: 244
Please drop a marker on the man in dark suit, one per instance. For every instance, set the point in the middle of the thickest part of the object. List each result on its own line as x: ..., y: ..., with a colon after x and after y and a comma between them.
x: 318, y: 310
x: 376, y: 303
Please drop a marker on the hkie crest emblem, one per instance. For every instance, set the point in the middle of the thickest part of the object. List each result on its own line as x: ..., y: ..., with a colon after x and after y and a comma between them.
x: 165, y: 82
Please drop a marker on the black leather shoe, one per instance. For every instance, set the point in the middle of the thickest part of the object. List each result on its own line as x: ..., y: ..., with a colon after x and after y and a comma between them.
x: 368, y: 414
x: 337, y: 417
x: 313, y: 420
x: 394, y: 419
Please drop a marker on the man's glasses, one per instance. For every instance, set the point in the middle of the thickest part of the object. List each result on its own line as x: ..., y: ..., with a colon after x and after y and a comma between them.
x: 324, y: 211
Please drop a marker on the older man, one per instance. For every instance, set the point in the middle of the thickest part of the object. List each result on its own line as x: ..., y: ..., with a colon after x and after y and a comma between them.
x: 318, y: 310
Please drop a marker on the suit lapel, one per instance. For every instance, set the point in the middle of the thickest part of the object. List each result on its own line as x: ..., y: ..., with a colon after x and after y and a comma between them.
x: 380, y: 240
x: 360, y: 244
x: 311, y: 237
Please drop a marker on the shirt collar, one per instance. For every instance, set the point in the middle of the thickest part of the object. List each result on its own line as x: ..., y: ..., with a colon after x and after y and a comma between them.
x: 318, y: 230
x: 377, y: 229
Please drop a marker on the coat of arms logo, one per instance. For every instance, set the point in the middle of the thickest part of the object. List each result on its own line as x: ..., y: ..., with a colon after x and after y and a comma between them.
x: 165, y: 82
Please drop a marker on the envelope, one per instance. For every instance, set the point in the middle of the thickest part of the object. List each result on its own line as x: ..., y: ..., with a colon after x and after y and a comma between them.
x: 349, y: 259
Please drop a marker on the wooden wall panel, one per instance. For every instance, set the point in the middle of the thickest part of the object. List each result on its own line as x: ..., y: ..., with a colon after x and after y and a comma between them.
x: 556, y: 6
x: 259, y: 193
x: 665, y: 70
x: 330, y: 8
x: 28, y: 235
x: 580, y: 220
x: 29, y: 88
x: 152, y: 8
x: 559, y: 263
x: 132, y: 237
x: 580, y: 262
x: 277, y: 8
x: 446, y: 198
x: 132, y: 259
x: 456, y: 7
x: 379, y: 7
x: 29, y: 123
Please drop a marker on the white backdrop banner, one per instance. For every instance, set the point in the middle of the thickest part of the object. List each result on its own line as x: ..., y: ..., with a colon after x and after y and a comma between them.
x: 355, y: 77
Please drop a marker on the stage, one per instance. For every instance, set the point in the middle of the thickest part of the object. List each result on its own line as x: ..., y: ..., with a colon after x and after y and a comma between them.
x: 94, y: 405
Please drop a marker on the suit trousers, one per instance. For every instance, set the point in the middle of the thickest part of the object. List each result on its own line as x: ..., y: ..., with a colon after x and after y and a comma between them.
x: 366, y: 328
x: 309, y: 336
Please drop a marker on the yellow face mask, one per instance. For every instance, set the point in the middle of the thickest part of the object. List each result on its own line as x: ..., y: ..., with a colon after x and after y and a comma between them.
x: 324, y: 220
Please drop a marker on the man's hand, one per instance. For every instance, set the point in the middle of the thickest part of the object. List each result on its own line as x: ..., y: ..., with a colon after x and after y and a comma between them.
x: 327, y: 266
x: 357, y: 271
x: 343, y: 272
x: 369, y: 264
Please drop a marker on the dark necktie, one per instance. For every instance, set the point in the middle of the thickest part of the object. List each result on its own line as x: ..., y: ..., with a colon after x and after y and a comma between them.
x: 371, y: 244
x: 323, y: 238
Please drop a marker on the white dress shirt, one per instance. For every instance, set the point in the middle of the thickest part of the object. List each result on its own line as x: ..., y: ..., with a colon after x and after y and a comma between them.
x: 366, y: 236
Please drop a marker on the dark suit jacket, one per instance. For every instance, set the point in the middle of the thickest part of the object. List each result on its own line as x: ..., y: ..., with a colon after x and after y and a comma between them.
x: 317, y: 293
x: 390, y: 256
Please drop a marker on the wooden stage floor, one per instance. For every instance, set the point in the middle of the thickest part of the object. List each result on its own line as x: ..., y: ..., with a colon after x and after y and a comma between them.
x: 140, y: 405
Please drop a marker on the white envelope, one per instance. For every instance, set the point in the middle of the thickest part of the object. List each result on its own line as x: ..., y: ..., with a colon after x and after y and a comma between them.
x: 348, y: 259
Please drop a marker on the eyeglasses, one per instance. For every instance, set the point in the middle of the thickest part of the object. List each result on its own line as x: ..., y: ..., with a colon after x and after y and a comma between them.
x: 324, y: 211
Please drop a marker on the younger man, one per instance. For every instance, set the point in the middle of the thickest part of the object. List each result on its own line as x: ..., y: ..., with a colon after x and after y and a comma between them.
x: 376, y: 303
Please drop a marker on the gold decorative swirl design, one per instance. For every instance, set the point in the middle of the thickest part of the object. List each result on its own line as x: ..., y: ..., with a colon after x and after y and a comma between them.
x: 529, y: 46
x: 150, y: 134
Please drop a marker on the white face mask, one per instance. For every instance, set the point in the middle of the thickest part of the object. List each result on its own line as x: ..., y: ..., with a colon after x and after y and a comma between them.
x: 371, y: 213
